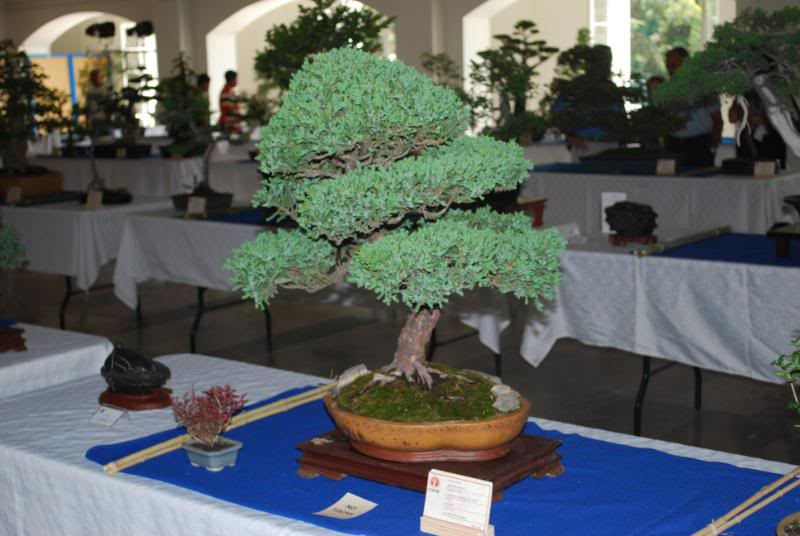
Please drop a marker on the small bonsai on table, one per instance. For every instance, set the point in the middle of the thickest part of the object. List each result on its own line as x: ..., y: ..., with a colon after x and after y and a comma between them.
x: 205, y: 417
x: 28, y: 107
x: 368, y: 156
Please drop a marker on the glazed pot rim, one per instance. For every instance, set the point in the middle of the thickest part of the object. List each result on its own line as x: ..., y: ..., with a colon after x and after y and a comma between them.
x: 524, y: 407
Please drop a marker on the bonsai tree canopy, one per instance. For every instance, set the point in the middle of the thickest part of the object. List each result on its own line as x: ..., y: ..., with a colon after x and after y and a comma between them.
x: 183, y: 109
x: 368, y: 156
x: 27, y: 107
x: 757, y: 50
x: 325, y: 25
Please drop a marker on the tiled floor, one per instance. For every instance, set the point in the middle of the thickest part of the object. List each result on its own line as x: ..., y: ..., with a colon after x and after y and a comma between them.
x: 576, y: 383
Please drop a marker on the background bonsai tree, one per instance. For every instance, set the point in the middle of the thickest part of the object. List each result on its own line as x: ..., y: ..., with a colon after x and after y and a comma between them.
x: 368, y: 156
x: 12, y: 252
x: 325, y: 25
x: 504, y: 80
x: 757, y: 50
x: 27, y: 107
x: 183, y: 109
x: 789, y: 369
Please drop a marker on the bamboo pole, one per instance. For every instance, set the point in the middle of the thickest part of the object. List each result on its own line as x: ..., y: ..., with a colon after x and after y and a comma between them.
x: 682, y: 241
x: 236, y: 422
x: 744, y: 510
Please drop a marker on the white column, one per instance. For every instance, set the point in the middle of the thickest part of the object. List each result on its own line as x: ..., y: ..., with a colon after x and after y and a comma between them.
x: 619, y: 35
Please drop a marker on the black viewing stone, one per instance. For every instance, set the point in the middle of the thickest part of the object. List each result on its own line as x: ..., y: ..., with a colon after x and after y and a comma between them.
x: 126, y: 371
x: 631, y: 219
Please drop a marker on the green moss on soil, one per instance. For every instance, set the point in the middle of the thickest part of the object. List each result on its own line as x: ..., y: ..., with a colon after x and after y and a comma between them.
x: 463, y: 395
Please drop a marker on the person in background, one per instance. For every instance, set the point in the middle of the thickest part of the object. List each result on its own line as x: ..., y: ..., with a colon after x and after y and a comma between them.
x: 229, y: 118
x: 697, y: 141
x: 203, y: 81
x: 98, y: 99
x: 759, y: 140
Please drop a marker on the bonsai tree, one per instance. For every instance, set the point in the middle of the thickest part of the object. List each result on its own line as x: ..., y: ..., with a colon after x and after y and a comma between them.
x: 508, y: 75
x: 789, y: 369
x: 205, y: 416
x: 757, y: 50
x: 368, y: 157
x: 183, y: 109
x: 12, y: 252
x: 27, y: 107
x: 325, y: 25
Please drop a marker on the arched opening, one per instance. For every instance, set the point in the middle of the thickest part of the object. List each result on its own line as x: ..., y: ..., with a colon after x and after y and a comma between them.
x: 233, y: 43
x: 63, y: 48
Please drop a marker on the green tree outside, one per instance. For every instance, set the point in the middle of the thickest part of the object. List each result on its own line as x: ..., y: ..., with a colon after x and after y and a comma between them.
x: 659, y: 25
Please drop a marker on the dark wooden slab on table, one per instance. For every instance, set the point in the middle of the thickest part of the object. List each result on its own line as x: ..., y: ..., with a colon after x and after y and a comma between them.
x: 11, y: 340
x: 331, y: 455
x: 783, y: 236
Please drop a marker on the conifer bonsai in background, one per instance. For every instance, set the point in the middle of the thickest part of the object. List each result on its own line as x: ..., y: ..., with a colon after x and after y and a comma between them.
x: 183, y: 109
x: 757, y: 50
x: 325, y: 25
x: 27, y: 107
x: 369, y: 156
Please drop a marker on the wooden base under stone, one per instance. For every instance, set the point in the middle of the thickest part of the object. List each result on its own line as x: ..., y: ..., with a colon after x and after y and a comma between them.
x: 624, y: 240
x: 160, y: 398
x: 332, y: 456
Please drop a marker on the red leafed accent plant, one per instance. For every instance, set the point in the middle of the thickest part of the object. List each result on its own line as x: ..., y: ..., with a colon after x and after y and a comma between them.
x: 205, y: 416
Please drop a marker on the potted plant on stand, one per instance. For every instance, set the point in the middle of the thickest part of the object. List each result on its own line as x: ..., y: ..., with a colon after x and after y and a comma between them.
x: 27, y: 107
x: 205, y: 417
x: 368, y: 156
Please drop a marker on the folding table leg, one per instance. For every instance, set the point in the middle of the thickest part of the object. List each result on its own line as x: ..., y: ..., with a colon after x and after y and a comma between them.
x: 268, y: 329
x: 498, y: 365
x: 637, y: 408
x: 698, y: 388
x: 62, y: 312
x: 139, y: 312
x: 198, y: 316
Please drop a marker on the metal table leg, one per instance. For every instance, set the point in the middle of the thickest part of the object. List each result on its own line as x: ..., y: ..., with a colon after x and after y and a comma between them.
x: 62, y: 312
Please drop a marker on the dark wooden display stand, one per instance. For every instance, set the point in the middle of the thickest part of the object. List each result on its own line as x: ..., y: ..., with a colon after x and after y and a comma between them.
x: 331, y: 455
x: 783, y: 237
x: 160, y: 398
x: 11, y: 340
x: 624, y: 240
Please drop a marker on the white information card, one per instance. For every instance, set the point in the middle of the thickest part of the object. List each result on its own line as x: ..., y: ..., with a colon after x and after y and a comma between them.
x: 456, y: 504
x: 609, y: 199
x: 107, y: 416
x: 348, y: 507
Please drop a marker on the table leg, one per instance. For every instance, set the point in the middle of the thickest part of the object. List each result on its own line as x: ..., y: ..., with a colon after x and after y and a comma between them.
x: 782, y: 247
x: 698, y: 388
x: 198, y: 316
x: 637, y: 408
x: 62, y: 312
x: 268, y: 329
x: 139, y: 313
x: 498, y: 365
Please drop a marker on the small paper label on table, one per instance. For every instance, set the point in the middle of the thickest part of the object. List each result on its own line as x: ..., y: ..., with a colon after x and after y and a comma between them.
x: 458, y: 499
x: 348, y: 507
x: 665, y: 166
x: 196, y: 206
x: 121, y: 152
x: 764, y: 169
x: 609, y: 199
x: 94, y: 199
x: 107, y: 416
x: 13, y: 195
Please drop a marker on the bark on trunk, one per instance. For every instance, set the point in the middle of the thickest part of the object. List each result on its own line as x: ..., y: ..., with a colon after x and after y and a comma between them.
x: 409, y: 358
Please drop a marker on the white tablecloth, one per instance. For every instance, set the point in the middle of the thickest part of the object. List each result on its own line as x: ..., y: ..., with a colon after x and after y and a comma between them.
x: 48, y: 487
x: 727, y: 317
x: 67, y: 239
x: 53, y: 356
x: 192, y: 252
x: 239, y: 177
x: 683, y: 204
x: 153, y: 176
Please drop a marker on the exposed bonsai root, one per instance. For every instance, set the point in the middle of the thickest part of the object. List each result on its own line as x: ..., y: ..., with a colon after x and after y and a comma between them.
x: 409, y: 359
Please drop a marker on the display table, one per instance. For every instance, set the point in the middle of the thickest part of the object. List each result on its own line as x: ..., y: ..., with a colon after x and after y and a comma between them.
x: 53, y: 357
x: 153, y: 176
x: 42, y: 463
x: 157, y: 246
x: 240, y: 177
x: 724, y: 312
x: 683, y: 204
x: 68, y: 239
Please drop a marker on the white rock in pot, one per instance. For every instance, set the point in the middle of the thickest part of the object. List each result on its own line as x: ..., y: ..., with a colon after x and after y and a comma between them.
x: 350, y: 375
x: 505, y: 398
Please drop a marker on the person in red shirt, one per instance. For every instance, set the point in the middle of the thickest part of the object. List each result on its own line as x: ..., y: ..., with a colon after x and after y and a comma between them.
x: 229, y: 118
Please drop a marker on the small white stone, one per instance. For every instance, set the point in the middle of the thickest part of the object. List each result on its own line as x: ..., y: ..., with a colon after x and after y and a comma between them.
x: 350, y: 375
x: 321, y: 441
x: 505, y: 398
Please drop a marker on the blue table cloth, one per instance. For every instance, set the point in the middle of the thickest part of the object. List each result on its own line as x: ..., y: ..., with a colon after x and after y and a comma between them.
x: 735, y: 247
x: 607, y: 489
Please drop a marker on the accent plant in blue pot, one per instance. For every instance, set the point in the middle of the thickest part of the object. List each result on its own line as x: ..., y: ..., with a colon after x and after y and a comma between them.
x: 205, y: 417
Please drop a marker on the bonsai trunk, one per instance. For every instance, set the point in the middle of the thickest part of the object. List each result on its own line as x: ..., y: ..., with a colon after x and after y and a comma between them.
x: 409, y: 358
x: 15, y: 162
